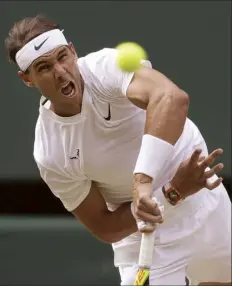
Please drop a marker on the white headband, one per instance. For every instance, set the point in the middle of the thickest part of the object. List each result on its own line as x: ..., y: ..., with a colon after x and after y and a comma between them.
x: 38, y: 46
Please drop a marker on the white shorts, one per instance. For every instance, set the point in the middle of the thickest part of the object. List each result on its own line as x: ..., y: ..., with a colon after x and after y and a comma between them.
x: 204, y: 256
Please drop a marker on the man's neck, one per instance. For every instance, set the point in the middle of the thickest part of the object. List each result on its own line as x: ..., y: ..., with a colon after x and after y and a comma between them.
x: 66, y: 110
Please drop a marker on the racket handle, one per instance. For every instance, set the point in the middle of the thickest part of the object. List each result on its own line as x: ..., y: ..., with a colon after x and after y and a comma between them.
x: 147, y: 245
x: 146, y: 250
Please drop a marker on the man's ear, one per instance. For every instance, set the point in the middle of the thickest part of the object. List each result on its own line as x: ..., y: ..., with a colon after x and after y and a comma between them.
x: 25, y: 78
x: 72, y: 48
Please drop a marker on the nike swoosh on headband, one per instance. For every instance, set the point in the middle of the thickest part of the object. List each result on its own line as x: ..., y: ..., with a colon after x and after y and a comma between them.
x: 40, y: 45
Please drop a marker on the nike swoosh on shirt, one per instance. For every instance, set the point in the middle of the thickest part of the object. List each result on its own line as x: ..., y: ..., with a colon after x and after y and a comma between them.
x: 40, y: 45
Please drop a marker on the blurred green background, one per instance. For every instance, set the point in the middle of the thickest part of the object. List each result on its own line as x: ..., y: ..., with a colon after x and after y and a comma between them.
x: 189, y: 41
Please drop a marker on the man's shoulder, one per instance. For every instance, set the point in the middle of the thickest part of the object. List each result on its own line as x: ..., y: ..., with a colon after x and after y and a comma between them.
x: 39, y: 148
x: 99, y: 55
x: 99, y: 62
x: 45, y: 147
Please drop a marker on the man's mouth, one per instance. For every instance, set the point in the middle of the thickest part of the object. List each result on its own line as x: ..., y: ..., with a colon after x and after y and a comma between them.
x: 68, y: 89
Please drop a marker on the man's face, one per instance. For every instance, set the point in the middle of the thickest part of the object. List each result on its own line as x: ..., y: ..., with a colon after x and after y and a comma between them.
x: 55, y: 74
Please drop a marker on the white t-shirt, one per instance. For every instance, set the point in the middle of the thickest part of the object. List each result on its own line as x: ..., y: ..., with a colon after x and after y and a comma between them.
x: 72, y: 152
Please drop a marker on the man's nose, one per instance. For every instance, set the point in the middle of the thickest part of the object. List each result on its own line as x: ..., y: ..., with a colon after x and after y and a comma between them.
x: 59, y: 71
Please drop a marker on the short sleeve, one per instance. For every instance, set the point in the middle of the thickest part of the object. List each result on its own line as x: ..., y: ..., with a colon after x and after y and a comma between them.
x: 101, y: 71
x: 71, y: 192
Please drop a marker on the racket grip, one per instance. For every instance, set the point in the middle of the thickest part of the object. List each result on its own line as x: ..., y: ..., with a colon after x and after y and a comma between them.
x: 146, y: 250
x: 147, y: 245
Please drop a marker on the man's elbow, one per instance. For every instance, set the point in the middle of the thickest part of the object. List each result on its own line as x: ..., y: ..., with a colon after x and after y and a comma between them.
x: 183, y: 99
x: 108, y: 235
x: 172, y: 99
x: 179, y: 98
x: 108, y: 238
x: 171, y: 96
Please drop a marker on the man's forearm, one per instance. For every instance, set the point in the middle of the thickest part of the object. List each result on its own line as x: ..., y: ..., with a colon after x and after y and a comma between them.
x: 165, y: 120
x: 118, y: 224
x: 166, y: 108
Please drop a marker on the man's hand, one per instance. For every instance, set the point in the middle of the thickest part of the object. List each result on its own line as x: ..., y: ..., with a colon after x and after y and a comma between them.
x: 194, y: 174
x: 145, y: 209
x: 190, y: 178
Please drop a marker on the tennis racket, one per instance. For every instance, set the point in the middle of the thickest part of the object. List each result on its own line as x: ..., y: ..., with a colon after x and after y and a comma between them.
x: 145, y: 256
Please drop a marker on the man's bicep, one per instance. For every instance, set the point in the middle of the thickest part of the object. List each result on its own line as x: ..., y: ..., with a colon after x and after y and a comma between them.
x: 137, y: 90
x: 145, y: 83
x: 91, y: 211
x: 80, y: 197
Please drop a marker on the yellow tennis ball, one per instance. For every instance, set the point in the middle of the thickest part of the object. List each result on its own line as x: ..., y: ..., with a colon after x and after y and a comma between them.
x: 129, y: 56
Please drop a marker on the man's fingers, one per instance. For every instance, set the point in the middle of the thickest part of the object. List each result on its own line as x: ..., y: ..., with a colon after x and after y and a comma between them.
x: 213, y: 171
x: 149, y: 206
x: 195, y: 156
x: 213, y: 185
x: 210, y: 159
x: 148, y: 229
x: 144, y: 216
x: 201, y: 159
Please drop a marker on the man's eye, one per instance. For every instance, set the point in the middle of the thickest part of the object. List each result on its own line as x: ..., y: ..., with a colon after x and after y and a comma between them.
x: 62, y: 57
x: 44, y: 67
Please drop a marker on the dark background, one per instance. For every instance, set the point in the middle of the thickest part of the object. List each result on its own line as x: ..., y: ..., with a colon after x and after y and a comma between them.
x: 190, y: 42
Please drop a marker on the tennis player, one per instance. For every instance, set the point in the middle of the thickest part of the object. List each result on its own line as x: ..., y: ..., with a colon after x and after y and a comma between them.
x: 102, y: 133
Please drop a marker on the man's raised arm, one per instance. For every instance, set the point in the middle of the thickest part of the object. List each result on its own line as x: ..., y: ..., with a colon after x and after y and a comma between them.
x: 167, y: 109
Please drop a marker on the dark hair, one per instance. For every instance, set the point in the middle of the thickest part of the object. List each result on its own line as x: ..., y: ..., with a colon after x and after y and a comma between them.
x: 24, y: 31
